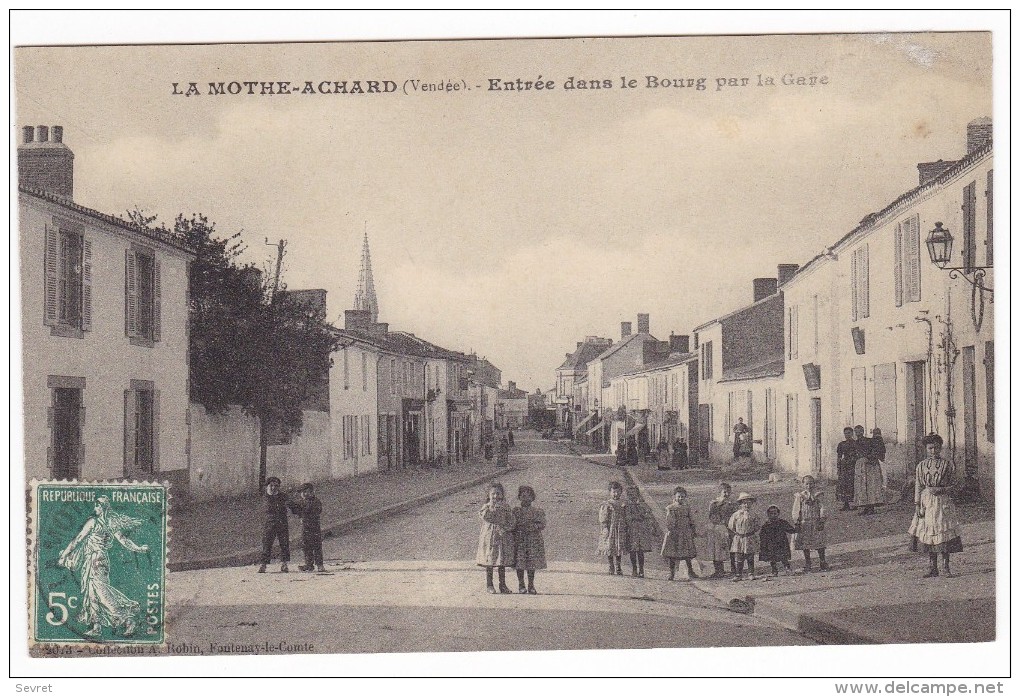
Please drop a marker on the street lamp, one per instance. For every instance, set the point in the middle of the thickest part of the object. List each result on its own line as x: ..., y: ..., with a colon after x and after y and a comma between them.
x: 940, y: 251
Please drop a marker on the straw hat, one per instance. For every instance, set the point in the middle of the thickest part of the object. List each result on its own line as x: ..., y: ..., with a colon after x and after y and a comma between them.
x: 744, y: 496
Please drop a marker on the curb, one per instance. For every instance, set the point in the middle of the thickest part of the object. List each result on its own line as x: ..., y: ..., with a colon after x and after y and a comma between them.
x: 254, y: 555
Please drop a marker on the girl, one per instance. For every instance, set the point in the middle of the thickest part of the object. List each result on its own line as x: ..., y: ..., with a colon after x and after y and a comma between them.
x: 745, y: 525
x: 678, y: 542
x: 496, y: 539
x: 868, y: 474
x: 935, y: 527
x: 613, y: 525
x: 719, y: 512
x: 529, y: 547
x: 774, y: 540
x: 809, y: 522
x: 640, y: 532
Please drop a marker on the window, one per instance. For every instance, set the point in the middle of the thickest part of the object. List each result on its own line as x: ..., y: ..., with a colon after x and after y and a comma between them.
x: 792, y: 332
x: 141, y: 430
x: 366, y: 435
x: 791, y: 418
x: 969, y: 223
x: 706, y: 360
x: 988, y: 220
x: 393, y: 376
x: 907, y: 265
x: 67, y: 291
x: 66, y: 453
x: 859, y: 300
x: 364, y: 371
x: 141, y: 296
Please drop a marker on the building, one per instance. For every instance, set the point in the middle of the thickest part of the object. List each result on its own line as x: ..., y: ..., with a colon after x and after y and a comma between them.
x: 104, y: 328
x: 574, y: 368
x: 356, y: 422
x: 661, y: 392
x: 511, y: 407
x: 903, y: 345
x: 740, y: 361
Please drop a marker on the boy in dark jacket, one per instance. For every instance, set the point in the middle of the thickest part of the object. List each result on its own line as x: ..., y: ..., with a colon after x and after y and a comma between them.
x: 309, y: 508
x: 275, y: 526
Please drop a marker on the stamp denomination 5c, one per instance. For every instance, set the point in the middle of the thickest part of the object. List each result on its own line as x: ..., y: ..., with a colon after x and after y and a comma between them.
x: 97, y: 567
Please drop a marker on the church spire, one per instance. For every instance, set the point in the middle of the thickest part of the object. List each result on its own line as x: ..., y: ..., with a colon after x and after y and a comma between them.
x: 365, y: 298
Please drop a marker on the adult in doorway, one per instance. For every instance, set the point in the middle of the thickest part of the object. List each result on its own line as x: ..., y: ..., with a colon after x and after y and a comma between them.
x: 741, y: 433
x: 846, y: 461
x: 662, y: 455
x: 935, y: 528
x: 868, y: 491
x: 680, y: 456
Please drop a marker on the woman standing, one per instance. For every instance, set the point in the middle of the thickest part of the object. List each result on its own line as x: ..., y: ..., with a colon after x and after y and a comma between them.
x: 868, y: 491
x: 846, y: 459
x: 935, y: 528
x: 88, y: 553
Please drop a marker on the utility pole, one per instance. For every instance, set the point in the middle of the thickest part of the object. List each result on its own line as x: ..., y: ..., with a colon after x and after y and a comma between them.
x: 280, y: 246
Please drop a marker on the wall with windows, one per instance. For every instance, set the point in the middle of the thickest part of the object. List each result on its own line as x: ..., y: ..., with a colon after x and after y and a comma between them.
x: 711, y: 437
x: 93, y: 344
x: 352, y: 434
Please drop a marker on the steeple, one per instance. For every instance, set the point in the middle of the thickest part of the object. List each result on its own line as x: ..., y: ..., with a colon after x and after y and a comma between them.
x: 365, y: 298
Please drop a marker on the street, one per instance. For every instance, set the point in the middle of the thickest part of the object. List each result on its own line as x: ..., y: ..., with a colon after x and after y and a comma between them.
x: 409, y: 583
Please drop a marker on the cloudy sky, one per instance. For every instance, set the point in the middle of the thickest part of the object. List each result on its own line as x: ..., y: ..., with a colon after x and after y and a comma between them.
x: 515, y: 223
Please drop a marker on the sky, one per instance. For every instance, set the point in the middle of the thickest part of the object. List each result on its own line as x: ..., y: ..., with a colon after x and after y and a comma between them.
x: 514, y: 224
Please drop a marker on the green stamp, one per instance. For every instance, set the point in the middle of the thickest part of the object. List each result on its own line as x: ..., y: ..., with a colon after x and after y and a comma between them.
x: 97, y: 572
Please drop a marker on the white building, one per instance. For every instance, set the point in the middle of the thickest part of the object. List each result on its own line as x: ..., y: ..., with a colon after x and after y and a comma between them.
x: 104, y: 331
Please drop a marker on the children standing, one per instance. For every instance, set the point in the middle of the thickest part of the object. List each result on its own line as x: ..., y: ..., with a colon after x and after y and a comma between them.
x: 775, y: 541
x: 745, y: 525
x: 613, y: 528
x: 809, y: 521
x: 529, y: 547
x: 275, y: 526
x: 640, y: 533
x: 678, y: 543
x: 309, y: 509
x: 496, y: 539
x: 719, y: 512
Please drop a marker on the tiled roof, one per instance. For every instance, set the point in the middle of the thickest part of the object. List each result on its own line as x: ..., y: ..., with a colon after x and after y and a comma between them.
x: 582, y: 356
x: 767, y: 299
x: 164, y: 236
x: 673, y: 360
x: 769, y: 369
x: 620, y: 344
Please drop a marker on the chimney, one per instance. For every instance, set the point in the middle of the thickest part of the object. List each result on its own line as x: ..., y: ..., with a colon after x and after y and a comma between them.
x: 45, y: 164
x: 979, y: 133
x: 358, y: 320
x: 679, y: 343
x: 624, y: 330
x: 643, y: 324
x: 786, y: 271
x: 579, y: 344
x: 763, y: 288
x: 926, y: 171
x: 379, y: 328
x: 511, y: 386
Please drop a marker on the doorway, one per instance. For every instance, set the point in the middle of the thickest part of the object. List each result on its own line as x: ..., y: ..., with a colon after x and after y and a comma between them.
x: 916, y: 427
x: 67, y: 427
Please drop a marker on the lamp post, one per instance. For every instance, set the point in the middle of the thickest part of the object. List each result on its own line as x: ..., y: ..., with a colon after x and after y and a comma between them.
x: 940, y: 251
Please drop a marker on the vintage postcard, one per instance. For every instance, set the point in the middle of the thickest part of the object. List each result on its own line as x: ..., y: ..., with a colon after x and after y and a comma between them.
x: 509, y: 345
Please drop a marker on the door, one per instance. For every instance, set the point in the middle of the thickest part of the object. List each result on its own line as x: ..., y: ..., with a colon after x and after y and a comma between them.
x: 969, y: 413
x: 816, y: 434
x: 916, y: 427
x: 67, y: 418
x: 704, y: 428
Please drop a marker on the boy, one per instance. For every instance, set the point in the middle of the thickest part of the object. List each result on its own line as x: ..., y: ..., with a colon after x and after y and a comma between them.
x: 275, y: 526
x: 309, y: 508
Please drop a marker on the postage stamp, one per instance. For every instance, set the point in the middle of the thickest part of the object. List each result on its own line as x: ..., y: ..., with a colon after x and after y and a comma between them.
x: 97, y: 566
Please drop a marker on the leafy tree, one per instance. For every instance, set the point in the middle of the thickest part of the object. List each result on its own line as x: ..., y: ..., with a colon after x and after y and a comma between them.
x: 264, y: 352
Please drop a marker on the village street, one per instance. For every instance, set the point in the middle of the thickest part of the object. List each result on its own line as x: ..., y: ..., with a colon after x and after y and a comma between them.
x: 409, y: 583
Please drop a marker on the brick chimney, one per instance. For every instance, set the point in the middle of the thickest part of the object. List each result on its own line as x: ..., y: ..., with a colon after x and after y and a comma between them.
x: 643, y: 324
x: 763, y: 288
x: 358, y: 320
x: 380, y: 328
x: 979, y: 132
x: 44, y: 163
x: 624, y: 330
x: 511, y: 386
x: 785, y: 272
x: 679, y: 343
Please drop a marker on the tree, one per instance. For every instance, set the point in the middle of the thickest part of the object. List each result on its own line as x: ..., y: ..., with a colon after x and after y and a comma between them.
x: 262, y: 351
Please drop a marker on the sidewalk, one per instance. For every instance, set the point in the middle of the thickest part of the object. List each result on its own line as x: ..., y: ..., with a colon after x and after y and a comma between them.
x: 873, y: 592
x: 228, y: 532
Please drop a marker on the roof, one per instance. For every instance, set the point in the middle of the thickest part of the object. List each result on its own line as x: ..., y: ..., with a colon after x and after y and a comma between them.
x: 769, y: 369
x: 432, y: 350
x: 619, y: 345
x: 161, y: 235
x: 580, y: 358
x: 674, y: 359
x: 403, y: 344
x: 758, y: 303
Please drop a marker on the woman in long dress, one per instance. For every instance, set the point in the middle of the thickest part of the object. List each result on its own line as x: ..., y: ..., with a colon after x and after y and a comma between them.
x: 88, y: 554
x: 868, y: 491
x: 935, y: 528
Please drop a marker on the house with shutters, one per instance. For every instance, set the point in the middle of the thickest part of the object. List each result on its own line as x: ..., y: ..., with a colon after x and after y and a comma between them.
x: 878, y: 336
x: 104, y: 326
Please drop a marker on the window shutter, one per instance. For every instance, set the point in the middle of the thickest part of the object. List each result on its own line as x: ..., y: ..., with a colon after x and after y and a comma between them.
x: 86, y: 284
x: 898, y: 263
x: 129, y: 432
x: 81, y: 439
x: 990, y: 390
x: 130, y: 294
x: 912, y: 245
x: 988, y: 221
x: 854, y: 268
x: 157, y: 324
x: 865, y: 310
x: 969, y: 241
x: 155, y: 430
x: 51, y: 267
x: 795, y: 336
